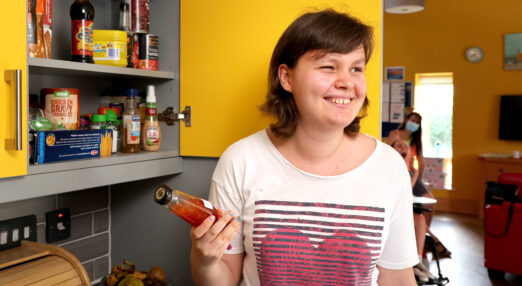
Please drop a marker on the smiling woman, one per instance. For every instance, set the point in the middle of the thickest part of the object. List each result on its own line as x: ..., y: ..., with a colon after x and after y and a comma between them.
x: 320, y: 43
x: 311, y: 191
x: 329, y: 89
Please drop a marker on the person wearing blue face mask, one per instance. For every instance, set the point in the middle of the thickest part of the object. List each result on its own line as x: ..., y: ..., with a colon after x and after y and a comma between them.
x: 411, y: 131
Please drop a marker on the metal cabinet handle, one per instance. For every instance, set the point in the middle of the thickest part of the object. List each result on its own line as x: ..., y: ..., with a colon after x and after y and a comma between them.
x: 16, y: 76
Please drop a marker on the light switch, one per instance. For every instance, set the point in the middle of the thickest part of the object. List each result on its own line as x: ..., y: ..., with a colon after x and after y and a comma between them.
x: 27, y: 232
x: 16, y: 233
x: 14, y: 230
x: 3, y: 237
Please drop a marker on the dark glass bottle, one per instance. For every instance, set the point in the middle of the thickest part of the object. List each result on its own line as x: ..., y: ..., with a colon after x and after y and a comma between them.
x: 82, y: 17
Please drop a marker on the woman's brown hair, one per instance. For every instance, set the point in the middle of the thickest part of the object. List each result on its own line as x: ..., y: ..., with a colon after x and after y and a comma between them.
x: 325, y: 31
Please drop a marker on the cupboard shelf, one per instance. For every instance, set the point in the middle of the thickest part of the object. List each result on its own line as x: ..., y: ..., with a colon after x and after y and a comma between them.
x: 114, y: 159
x: 56, y: 182
x: 74, y: 69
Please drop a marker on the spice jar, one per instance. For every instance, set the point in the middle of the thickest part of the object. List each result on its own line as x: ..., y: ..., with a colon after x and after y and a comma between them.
x: 98, y: 121
x: 112, y: 124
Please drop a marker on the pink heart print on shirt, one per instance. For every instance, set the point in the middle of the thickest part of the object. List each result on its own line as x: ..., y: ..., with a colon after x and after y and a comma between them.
x: 300, y: 243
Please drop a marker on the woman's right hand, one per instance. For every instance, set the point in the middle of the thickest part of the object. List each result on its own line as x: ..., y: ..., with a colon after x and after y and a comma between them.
x: 210, y: 240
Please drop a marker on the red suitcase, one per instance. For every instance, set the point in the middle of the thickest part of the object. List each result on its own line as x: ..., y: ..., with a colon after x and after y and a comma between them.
x: 503, y: 250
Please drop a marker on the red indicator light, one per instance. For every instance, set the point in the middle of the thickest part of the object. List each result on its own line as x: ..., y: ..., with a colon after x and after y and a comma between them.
x: 60, y: 215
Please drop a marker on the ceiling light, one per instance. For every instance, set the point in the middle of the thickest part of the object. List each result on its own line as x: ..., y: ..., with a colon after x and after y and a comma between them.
x: 403, y: 6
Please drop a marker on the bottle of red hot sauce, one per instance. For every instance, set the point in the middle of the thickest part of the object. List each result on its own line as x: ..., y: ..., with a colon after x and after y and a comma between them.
x: 82, y: 16
x: 191, y: 209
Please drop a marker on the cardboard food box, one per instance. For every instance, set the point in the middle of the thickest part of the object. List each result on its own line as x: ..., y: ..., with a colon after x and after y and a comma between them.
x: 39, y: 28
x: 62, y: 145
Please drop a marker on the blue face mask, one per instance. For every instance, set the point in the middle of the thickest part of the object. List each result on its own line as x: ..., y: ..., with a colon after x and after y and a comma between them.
x: 412, y: 126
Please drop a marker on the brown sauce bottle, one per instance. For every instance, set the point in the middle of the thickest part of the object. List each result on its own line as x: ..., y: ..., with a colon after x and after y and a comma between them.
x: 131, y: 123
x: 82, y: 17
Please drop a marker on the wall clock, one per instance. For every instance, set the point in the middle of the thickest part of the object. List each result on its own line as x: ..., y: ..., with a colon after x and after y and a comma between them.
x: 474, y: 54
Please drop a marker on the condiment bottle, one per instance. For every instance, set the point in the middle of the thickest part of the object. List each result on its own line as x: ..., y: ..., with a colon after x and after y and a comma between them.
x: 125, y: 25
x: 151, y: 138
x: 120, y: 134
x: 131, y: 123
x: 142, y: 109
x: 82, y: 16
x: 112, y: 124
x: 98, y: 121
x: 191, y: 209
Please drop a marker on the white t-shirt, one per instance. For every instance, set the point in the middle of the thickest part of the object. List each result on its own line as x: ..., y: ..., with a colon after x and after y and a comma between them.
x: 303, y: 229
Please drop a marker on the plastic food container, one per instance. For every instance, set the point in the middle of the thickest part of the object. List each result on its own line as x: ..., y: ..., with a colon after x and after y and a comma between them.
x: 110, y: 47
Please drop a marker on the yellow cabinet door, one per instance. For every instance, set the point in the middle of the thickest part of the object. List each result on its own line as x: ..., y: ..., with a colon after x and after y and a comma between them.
x: 13, y: 106
x: 225, y: 49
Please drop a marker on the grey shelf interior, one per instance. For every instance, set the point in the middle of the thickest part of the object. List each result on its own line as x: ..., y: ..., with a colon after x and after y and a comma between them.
x: 93, y: 80
x: 44, y: 184
x: 74, y: 69
x: 115, y: 159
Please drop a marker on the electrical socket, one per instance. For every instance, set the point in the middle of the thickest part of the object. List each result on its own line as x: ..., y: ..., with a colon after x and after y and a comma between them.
x: 14, y: 230
x: 57, y: 225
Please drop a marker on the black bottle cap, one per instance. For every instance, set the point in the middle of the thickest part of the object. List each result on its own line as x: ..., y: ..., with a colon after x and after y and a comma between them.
x: 163, y: 195
x: 124, y: 6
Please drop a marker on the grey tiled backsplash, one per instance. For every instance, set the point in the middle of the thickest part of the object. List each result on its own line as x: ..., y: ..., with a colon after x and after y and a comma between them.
x: 100, y: 266
x: 89, y: 240
x: 89, y: 248
x: 37, y: 206
x: 84, y: 201
x: 101, y: 221
x: 81, y: 226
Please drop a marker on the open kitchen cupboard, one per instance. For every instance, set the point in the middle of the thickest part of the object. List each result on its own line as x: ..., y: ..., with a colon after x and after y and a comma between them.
x: 92, y: 80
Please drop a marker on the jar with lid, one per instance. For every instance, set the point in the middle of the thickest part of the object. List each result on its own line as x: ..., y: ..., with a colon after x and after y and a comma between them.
x: 131, y: 123
x: 98, y: 121
x: 112, y: 125
x: 120, y: 134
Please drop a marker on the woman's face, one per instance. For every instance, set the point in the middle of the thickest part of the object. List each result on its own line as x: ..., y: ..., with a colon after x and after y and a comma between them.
x: 415, y: 119
x: 329, y: 89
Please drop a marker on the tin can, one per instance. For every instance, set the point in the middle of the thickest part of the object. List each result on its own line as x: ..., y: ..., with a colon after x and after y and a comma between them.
x: 134, y: 50
x: 62, y: 106
x: 148, y: 51
x: 140, y: 16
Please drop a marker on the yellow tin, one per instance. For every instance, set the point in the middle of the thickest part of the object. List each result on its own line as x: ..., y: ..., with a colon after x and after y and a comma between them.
x: 110, y: 47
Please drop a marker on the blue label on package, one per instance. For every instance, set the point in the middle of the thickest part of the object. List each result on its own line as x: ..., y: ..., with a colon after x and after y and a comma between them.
x: 61, y: 145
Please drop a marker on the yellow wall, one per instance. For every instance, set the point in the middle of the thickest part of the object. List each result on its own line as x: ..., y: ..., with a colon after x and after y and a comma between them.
x: 435, y: 40
x: 225, y: 49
